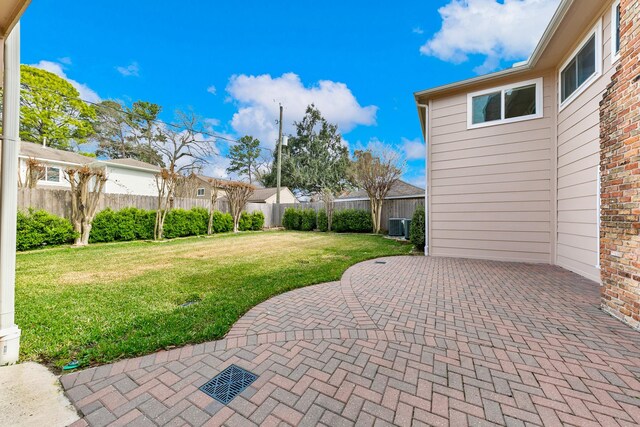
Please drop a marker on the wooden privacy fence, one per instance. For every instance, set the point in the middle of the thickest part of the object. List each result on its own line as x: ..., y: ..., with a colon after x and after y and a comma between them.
x: 58, y: 202
x: 392, y: 208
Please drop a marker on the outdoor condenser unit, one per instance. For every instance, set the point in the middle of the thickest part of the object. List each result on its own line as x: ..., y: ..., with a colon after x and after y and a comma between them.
x: 407, y: 228
x: 396, y: 227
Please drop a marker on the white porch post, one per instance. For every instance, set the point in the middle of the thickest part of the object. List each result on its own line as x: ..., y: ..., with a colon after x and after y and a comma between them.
x: 9, y: 331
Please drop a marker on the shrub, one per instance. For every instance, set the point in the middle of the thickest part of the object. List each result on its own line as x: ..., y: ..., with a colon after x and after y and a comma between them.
x: 307, y: 219
x: 323, y: 221
x: 257, y: 221
x: 417, y: 230
x: 122, y: 225
x: 182, y: 223
x: 291, y: 219
x: 299, y: 219
x: 36, y: 229
x: 352, y: 221
x: 222, y: 222
x: 246, y: 222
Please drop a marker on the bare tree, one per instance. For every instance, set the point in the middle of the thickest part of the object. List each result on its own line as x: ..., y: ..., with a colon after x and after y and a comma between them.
x: 214, y: 186
x: 238, y: 193
x: 328, y: 198
x: 87, y: 185
x: 34, y: 173
x: 376, y: 170
x: 185, y: 152
x: 166, y: 182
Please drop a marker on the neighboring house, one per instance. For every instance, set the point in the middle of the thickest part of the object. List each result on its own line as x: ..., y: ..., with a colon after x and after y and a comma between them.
x: 513, y: 157
x: 54, y: 162
x: 202, y: 187
x: 124, y: 176
x: 268, y: 195
x: 399, y: 190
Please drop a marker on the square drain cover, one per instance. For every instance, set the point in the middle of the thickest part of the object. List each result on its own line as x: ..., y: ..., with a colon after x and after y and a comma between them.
x: 228, y: 384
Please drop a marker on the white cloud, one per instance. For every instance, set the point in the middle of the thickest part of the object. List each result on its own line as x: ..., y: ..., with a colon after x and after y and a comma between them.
x: 65, y: 60
x: 497, y: 30
x: 130, y: 70
x: 257, y: 98
x: 86, y: 93
x: 212, y: 90
x: 413, y: 148
x: 417, y: 30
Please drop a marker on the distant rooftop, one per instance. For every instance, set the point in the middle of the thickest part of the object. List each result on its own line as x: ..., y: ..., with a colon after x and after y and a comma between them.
x: 401, y: 189
x: 38, y: 151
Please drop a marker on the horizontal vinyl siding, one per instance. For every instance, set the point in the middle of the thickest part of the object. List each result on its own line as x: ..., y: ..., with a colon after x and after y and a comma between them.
x: 490, y: 187
x: 578, y: 163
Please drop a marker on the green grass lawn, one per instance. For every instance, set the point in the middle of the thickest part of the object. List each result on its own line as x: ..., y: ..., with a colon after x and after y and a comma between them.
x: 110, y: 301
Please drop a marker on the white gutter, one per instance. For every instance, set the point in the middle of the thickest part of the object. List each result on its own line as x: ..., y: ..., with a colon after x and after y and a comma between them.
x: 426, y: 175
x: 9, y: 331
x: 22, y: 156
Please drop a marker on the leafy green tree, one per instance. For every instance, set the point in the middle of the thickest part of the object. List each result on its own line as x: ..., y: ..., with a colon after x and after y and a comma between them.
x: 51, y: 111
x: 315, y: 160
x: 244, y: 157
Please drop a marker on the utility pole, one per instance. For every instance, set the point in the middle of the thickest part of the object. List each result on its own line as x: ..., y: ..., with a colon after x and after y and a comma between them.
x: 279, y: 158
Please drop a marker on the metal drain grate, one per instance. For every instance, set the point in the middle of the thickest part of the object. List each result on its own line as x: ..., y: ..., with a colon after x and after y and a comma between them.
x: 228, y: 384
x: 380, y: 262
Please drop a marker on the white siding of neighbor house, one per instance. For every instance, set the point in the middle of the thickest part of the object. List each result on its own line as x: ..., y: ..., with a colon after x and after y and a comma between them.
x: 491, y: 187
x: 130, y: 181
x: 62, y: 185
x: 578, y: 164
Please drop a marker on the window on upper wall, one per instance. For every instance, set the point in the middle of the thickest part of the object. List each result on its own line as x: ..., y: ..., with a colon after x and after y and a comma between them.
x: 506, y: 104
x: 582, y: 68
x: 615, y: 31
x: 51, y: 174
x: 200, y: 192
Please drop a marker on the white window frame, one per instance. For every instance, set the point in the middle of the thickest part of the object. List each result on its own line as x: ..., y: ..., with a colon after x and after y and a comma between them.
x: 198, y: 192
x: 539, y: 82
x: 45, y: 178
x: 597, y: 30
x: 615, y: 55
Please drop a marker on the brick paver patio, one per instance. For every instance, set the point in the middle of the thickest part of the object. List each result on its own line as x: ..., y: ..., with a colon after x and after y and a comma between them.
x: 411, y: 341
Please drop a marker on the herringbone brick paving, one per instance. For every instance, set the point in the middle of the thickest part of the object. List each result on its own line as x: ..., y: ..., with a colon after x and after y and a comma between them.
x: 415, y: 341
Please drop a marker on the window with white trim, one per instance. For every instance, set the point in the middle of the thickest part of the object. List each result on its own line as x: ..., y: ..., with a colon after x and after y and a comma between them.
x: 51, y: 174
x: 200, y: 192
x: 582, y: 68
x: 506, y: 104
x: 615, y: 31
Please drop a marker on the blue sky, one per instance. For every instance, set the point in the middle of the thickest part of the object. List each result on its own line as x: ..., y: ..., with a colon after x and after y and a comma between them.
x: 232, y: 62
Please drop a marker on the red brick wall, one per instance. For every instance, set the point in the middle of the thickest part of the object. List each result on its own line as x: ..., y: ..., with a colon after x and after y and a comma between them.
x: 620, y: 177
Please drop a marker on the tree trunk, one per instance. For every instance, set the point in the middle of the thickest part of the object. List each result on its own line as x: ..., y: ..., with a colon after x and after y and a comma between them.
x: 210, y: 226
x: 86, y: 231
x: 77, y: 227
x: 376, y: 210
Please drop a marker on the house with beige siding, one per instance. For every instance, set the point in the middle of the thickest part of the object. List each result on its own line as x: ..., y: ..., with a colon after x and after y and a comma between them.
x: 513, y: 157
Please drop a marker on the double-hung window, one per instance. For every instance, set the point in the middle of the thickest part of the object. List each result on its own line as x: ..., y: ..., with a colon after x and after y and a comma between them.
x: 200, y: 192
x: 615, y: 31
x: 582, y: 68
x: 506, y: 104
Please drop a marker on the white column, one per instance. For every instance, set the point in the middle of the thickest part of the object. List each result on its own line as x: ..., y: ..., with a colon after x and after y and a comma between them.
x: 9, y: 331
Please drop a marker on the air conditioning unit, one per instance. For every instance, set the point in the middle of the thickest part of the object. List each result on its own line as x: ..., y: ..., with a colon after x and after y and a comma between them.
x: 407, y: 228
x: 396, y: 227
